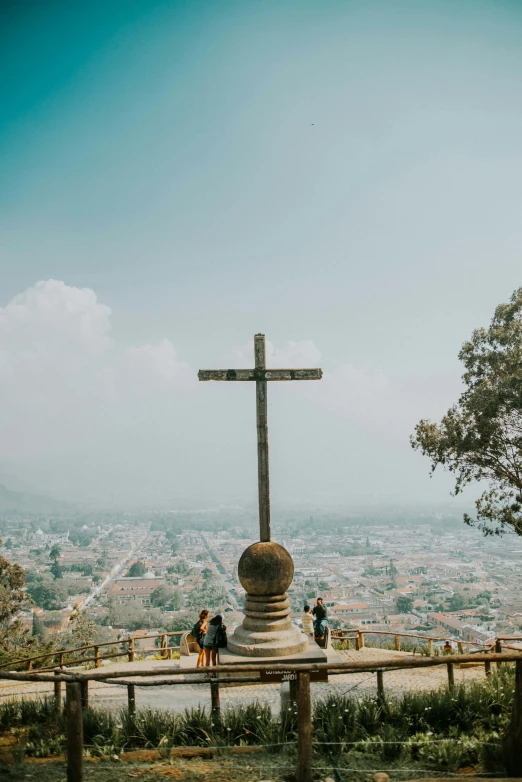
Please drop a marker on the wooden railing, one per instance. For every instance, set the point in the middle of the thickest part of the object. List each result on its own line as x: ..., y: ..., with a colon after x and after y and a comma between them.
x: 358, y: 637
x: 77, y: 682
x: 61, y: 658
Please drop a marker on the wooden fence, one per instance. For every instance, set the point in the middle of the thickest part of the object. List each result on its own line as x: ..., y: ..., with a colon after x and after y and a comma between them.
x: 63, y: 657
x: 77, y: 683
x: 357, y: 636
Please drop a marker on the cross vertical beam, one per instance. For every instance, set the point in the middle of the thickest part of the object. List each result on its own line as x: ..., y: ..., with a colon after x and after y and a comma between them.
x: 261, y: 375
x: 263, y: 480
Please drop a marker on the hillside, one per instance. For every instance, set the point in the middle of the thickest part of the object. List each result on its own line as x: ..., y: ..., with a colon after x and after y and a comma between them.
x: 12, y: 501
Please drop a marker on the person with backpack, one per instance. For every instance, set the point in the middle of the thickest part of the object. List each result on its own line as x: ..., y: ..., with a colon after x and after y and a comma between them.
x: 215, y: 638
x: 321, y: 618
x: 199, y: 631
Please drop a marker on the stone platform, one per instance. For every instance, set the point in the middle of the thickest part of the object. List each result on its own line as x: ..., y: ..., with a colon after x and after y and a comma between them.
x: 313, y: 654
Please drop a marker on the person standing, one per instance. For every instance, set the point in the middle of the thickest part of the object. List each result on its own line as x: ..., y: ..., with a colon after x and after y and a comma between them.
x: 321, y: 618
x: 199, y: 631
x: 214, y: 639
x: 307, y: 621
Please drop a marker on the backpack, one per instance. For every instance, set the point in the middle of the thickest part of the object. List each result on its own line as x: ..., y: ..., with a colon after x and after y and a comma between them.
x: 222, y: 637
x: 197, y: 631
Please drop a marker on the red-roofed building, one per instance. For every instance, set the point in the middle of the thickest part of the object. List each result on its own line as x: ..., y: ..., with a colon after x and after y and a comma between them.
x: 130, y: 588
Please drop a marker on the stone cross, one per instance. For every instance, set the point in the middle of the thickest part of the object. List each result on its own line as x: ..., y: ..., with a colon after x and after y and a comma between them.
x: 261, y: 375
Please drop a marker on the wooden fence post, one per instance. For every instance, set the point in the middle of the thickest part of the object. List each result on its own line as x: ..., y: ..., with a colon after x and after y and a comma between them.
x: 292, y: 686
x: 304, y: 728
x: 164, y: 646
x: 397, y: 643
x: 459, y: 647
x: 512, y: 743
x: 430, y: 647
x: 498, y: 649
x: 74, y: 728
x: 85, y: 694
x: 487, y: 667
x: 131, y: 700
x: 60, y: 660
x: 359, y: 641
x: 214, y: 697
x: 97, y: 661
x: 131, y: 650
x: 380, y: 686
x: 58, y: 691
x: 451, y: 675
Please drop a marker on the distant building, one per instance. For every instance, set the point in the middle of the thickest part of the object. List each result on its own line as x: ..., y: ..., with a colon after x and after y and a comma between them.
x: 124, y: 589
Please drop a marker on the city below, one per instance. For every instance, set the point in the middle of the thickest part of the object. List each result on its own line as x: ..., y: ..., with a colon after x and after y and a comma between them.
x: 426, y: 574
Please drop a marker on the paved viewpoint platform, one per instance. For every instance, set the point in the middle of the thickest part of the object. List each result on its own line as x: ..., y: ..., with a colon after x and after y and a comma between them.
x: 188, y: 695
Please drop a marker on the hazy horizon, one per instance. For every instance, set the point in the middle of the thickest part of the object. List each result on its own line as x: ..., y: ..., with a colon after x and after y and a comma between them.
x: 176, y: 177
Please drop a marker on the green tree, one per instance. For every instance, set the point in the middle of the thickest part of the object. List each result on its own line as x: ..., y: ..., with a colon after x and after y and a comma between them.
x: 47, y: 594
x: 181, y: 567
x: 83, y: 628
x: 185, y: 620
x: 55, y: 553
x: 12, y: 597
x: 137, y: 569
x: 480, y: 437
x: 404, y: 604
x: 56, y: 570
x: 211, y: 595
x: 457, y: 603
x: 38, y: 631
x: 167, y: 598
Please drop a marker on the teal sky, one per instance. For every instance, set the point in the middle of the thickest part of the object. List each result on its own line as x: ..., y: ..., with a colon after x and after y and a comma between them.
x: 341, y: 173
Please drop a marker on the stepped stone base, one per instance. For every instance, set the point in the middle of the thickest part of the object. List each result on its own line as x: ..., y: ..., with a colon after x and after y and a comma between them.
x: 267, y: 629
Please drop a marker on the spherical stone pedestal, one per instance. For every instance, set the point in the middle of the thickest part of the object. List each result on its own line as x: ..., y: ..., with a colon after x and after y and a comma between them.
x: 265, y: 571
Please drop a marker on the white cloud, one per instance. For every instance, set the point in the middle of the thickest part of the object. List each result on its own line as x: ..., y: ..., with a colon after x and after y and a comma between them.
x: 51, y: 318
x: 150, y: 368
x: 61, y: 372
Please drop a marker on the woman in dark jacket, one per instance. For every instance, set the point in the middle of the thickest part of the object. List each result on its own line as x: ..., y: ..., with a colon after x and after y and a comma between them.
x: 215, y: 629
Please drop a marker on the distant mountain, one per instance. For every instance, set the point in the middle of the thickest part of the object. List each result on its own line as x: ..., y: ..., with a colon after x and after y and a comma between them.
x: 11, y: 501
x: 15, y: 484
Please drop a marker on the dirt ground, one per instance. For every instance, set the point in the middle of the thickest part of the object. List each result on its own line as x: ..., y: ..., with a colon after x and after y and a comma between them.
x: 196, y: 769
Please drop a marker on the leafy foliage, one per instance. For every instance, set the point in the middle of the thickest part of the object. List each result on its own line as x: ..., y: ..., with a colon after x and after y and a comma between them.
x: 12, y: 600
x: 404, y: 604
x: 137, y: 569
x: 480, y: 437
x: 167, y: 598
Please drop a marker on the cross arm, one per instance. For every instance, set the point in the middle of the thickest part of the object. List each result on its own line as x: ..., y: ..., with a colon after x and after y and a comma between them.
x: 260, y: 374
